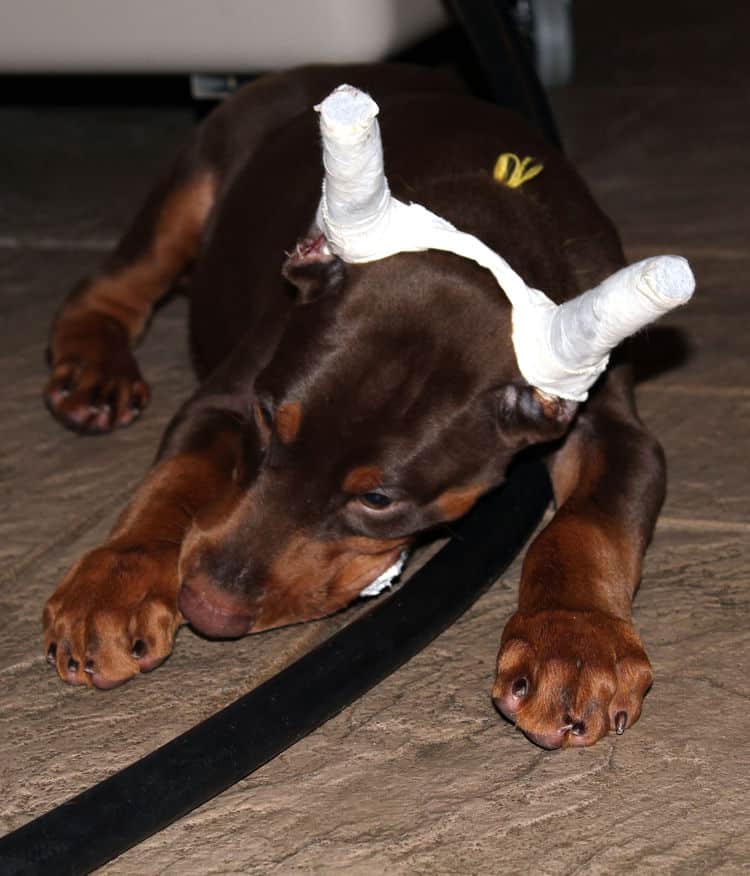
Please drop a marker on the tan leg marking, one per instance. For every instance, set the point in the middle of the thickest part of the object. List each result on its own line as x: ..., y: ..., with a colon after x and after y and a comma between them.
x: 115, y: 613
x: 95, y: 383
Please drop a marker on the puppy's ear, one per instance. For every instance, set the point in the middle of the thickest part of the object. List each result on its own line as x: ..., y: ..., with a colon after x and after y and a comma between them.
x: 526, y: 415
x: 313, y: 270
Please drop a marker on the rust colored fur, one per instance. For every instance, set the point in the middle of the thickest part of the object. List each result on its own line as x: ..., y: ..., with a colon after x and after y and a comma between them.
x: 343, y: 409
x: 95, y: 382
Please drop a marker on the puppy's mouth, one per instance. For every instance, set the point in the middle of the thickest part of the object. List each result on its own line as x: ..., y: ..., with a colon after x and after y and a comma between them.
x: 217, y: 614
x: 386, y: 578
x: 213, y: 612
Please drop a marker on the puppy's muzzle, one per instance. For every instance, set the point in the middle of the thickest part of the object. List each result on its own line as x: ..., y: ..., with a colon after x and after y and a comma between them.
x: 211, y: 610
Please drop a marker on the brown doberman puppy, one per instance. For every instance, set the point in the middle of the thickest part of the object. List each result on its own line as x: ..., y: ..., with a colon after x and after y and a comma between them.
x: 344, y: 408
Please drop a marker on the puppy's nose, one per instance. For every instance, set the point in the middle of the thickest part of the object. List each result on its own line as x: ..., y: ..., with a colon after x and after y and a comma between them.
x: 211, y: 610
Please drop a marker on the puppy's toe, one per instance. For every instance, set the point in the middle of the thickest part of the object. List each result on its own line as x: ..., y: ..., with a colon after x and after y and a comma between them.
x: 634, y: 680
x: 153, y: 630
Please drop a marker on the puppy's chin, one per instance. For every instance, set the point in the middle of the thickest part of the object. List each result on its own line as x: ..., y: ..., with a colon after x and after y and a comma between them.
x: 213, y: 612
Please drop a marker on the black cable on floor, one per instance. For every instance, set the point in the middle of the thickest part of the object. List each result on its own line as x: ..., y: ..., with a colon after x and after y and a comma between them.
x: 505, y: 61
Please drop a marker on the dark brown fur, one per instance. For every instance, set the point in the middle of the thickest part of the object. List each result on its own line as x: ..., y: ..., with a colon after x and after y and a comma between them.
x: 329, y: 389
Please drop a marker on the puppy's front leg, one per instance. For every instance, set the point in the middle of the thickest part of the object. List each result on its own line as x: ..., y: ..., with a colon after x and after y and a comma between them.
x: 95, y: 384
x: 115, y: 613
x: 571, y: 666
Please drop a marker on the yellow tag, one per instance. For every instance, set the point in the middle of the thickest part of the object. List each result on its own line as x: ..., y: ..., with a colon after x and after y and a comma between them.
x: 512, y: 171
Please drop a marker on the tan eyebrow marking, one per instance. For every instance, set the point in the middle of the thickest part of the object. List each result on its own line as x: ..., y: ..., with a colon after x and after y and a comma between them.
x: 288, y: 421
x: 455, y: 502
x: 362, y: 479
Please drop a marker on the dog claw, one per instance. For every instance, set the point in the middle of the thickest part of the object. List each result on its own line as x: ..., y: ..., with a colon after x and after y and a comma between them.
x: 621, y: 720
x: 89, y: 667
x: 578, y: 729
x: 139, y: 649
x: 72, y: 665
x: 52, y: 654
x: 520, y: 687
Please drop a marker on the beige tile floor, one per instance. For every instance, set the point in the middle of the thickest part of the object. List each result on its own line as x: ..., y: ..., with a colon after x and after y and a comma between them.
x: 419, y: 776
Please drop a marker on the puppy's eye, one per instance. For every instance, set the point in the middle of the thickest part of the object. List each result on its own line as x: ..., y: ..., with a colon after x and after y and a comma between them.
x: 375, y: 500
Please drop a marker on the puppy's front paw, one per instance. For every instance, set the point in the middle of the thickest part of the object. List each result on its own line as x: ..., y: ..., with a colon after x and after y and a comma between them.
x: 96, y: 397
x: 114, y: 615
x: 95, y: 385
x: 567, y: 678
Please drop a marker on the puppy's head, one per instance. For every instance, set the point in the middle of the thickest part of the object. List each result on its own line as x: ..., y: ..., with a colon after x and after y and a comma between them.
x: 392, y: 403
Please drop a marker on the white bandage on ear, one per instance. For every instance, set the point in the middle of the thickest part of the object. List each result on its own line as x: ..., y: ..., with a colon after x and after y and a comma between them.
x: 563, y: 349
x: 560, y: 349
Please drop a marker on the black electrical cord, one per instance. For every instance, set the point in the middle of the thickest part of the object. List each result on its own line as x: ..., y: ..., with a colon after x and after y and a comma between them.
x: 506, y: 62
x: 104, y: 821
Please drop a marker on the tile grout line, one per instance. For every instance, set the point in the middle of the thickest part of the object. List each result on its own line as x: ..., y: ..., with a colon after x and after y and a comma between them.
x: 678, y: 524
x: 667, y: 523
x: 686, y: 389
x: 642, y: 249
x: 74, y: 532
x: 91, y: 244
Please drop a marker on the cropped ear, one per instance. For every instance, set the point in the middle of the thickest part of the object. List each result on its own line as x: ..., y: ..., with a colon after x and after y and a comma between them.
x: 526, y: 415
x: 313, y: 269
